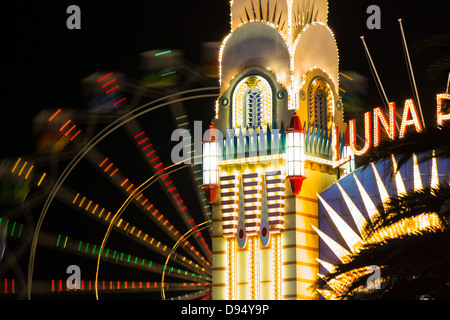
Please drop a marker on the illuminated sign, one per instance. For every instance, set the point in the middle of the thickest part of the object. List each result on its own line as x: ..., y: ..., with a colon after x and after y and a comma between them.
x: 376, y: 120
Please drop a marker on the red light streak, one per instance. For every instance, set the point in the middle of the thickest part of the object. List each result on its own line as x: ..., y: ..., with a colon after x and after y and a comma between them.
x: 76, y: 134
x: 108, y: 83
x: 115, y: 104
x: 108, y: 75
x: 111, y: 90
x: 140, y: 134
x: 142, y: 141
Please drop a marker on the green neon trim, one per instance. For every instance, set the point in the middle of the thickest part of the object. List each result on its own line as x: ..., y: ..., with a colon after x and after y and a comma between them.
x: 20, y: 231
x: 14, y: 226
x: 161, y: 53
x: 107, y: 252
x: 79, y: 245
x: 57, y: 241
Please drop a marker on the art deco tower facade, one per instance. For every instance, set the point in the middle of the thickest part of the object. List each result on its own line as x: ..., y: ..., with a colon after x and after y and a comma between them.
x: 279, y: 110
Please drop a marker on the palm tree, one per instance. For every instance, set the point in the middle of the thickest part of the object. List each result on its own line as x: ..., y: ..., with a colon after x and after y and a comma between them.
x: 441, y: 44
x: 414, y: 261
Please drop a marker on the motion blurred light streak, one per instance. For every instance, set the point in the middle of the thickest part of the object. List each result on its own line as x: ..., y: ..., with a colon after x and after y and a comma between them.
x: 119, y: 212
x: 137, y: 112
x: 81, y: 203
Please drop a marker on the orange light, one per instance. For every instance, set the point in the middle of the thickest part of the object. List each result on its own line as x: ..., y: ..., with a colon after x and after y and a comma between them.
x: 390, y: 128
x: 442, y: 117
x: 54, y: 115
x: 335, y: 142
x: 410, y: 108
x: 367, y: 135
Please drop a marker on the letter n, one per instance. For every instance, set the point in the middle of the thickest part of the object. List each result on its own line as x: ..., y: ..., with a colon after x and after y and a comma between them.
x: 389, y: 128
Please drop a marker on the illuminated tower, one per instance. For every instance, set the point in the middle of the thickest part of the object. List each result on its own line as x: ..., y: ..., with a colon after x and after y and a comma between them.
x: 278, y: 112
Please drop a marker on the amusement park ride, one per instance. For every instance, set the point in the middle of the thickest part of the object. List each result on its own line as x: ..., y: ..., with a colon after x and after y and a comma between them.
x: 260, y: 204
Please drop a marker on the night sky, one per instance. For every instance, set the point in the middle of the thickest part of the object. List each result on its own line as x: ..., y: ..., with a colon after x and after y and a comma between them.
x: 45, y: 61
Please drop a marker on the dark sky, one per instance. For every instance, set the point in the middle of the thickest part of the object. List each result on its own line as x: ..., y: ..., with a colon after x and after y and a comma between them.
x: 45, y: 61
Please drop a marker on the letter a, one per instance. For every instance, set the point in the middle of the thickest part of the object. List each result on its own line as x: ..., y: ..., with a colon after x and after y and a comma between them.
x: 74, y: 21
x: 74, y: 281
x: 374, y: 21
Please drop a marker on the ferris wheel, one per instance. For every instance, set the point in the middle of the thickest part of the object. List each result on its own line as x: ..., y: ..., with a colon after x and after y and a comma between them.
x: 100, y: 210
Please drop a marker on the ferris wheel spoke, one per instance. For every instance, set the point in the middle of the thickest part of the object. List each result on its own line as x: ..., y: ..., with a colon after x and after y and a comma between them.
x: 167, y: 184
x: 105, y: 287
x: 92, y: 209
x: 182, y: 122
x: 149, y: 209
x: 116, y: 257
x: 153, y: 161
x: 94, y: 155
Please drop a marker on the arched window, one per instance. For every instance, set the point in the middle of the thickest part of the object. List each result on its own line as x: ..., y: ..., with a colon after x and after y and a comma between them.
x: 254, y: 107
x: 252, y: 103
x: 320, y: 108
x: 321, y: 104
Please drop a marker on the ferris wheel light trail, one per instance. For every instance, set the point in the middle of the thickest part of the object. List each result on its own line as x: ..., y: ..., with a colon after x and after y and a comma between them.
x: 119, y: 212
x: 97, y: 139
x: 199, y: 227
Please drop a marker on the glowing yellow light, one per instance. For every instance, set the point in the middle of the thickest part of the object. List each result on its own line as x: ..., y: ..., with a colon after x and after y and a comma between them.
x: 350, y: 237
x: 398, y: 178
x: 368, y: 204
x: 240, y: 100
x: 337, y: 249
x: 381, y: 188
x: 359, y: 219
x: 416, y: 173
x: 434, y: 172
x: 42, y: 178
x: 15, y: 166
